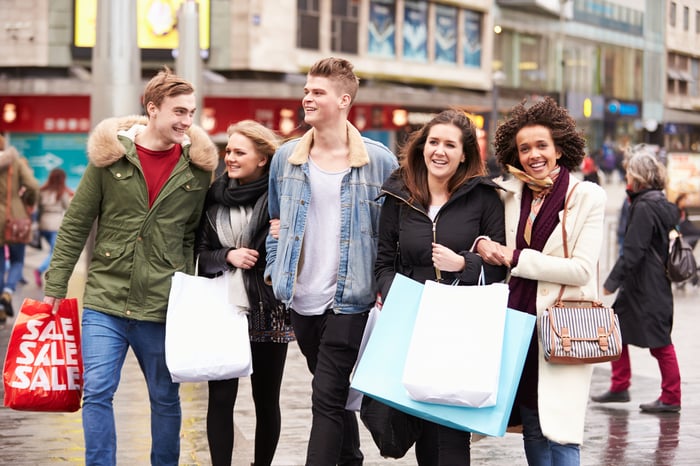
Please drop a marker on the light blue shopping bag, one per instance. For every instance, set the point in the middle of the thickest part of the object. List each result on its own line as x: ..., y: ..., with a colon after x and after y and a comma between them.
x: 379, y: 371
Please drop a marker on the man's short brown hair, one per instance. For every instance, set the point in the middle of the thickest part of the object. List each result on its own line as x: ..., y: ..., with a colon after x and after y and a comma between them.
x: 340, y: 70
x: 165, y: 84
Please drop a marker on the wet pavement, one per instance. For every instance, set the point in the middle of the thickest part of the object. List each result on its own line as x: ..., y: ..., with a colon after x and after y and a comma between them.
x: 615, y: 434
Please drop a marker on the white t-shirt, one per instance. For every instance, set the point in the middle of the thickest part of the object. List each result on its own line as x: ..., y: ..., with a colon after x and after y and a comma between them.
x: 320, y: 253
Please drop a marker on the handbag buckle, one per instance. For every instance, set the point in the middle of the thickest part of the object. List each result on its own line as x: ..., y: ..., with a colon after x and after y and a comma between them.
x: 602, y: 339
x: 566, y: 339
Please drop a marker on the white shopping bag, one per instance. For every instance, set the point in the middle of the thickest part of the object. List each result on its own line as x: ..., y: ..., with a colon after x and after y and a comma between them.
x: 454, y: 357
x: 354, y: 397
x: 206, y: 337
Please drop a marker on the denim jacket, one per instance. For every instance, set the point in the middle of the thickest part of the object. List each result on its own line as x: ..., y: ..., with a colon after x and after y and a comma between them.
x: 290, y: 193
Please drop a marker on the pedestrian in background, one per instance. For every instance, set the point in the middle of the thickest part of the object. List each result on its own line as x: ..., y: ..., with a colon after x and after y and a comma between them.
x: 145, y: 185
x: 54, y: 198
x: 540, y: 146
x: 16, y: 176
x: 232, y: 236
x: 644, y: 303
x: 436, y: 205
x: 323, y: 190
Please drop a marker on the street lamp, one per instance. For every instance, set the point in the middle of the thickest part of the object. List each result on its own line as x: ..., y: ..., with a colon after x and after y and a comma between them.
x: 498, y: 79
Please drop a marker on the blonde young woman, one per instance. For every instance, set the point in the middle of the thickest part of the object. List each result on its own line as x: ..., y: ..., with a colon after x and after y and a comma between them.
x: 232, y: 236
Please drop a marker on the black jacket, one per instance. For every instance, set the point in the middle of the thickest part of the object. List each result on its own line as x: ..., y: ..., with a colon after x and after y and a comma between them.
x: 212, y: 260
x: 644, y: 302
x: 406, y: 233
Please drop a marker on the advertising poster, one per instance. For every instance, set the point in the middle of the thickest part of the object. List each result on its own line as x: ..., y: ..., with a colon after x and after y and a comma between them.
x: 683, y: 171
x: 445, y: 34
x: 156, y: 22
x: 472, y: 39
x: 415, y: 30
x: 49, y: 150
x: 382, y: 28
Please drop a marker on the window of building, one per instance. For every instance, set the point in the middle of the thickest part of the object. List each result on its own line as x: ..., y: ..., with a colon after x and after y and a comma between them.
x: 471, y: 42
x: 415, y: 30
x: 382, y: 29
x: 445, y: 34
x: 308, y: 23
x: 697, y: 21
x: 672, y: 14
x: 344, y: 25
x: 686, y: 18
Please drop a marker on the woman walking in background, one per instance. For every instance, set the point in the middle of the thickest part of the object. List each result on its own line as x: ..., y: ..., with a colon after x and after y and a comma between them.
x: 644, y: 303
x: 54, y: 197
x: 232, y: 236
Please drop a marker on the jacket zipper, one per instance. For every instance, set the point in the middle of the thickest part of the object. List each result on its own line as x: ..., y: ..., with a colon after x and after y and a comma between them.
x: 438, y: 274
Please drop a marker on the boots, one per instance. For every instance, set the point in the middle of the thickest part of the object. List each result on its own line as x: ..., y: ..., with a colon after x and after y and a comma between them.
x: 6, y: 303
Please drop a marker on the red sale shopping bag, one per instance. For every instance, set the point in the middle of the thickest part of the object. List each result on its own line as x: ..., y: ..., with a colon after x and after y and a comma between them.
x: 43, y: 366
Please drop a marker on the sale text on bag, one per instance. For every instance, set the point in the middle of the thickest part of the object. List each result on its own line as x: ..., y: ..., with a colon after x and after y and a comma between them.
x: 48, y: 357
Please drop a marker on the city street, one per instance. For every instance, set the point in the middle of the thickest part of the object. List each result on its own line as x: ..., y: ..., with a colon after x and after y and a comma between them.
x: 616, y: 434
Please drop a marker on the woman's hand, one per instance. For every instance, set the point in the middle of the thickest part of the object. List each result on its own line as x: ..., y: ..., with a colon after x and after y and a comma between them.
x: 446, y: 259
x: 494, y: 253
x: 607, y: 292
x: 242, y: 258
x: 275, y: 228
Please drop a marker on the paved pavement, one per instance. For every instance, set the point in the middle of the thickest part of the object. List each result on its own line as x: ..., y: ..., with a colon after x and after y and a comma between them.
x: 616, y: 434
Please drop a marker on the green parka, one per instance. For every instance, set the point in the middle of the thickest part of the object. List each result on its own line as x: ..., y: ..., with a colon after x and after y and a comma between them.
x: 137, y: 249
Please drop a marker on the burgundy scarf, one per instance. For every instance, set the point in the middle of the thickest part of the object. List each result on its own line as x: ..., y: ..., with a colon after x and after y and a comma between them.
x: 523, y: 291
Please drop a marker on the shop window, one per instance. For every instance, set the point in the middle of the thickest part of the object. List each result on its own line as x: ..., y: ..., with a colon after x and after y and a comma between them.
x: 471, y: 42
x: 445, y: 34
x: 308, y: 16
x: 382, y: 29
x: 415, y: 30
x: 344, y: 25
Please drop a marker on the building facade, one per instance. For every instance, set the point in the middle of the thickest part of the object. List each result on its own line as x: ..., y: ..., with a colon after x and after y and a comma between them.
x: 604, y: 59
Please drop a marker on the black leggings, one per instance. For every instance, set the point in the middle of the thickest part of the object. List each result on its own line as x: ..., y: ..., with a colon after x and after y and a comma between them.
x: 266, y: 380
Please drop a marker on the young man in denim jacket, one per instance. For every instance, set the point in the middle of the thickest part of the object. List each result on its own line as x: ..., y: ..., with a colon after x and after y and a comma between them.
x: 320, y: 256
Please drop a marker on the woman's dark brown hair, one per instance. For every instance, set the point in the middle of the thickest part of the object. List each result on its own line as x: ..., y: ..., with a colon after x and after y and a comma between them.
x: 413, y: 169
x: 546, y: 113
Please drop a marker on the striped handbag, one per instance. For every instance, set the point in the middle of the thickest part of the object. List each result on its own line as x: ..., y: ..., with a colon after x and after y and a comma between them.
x: 580, y: 332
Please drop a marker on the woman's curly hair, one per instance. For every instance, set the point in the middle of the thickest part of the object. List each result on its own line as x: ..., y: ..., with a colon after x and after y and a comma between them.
x: 549, y: 114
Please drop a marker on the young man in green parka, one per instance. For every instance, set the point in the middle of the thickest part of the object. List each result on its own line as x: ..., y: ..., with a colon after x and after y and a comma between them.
x: 145, y: 186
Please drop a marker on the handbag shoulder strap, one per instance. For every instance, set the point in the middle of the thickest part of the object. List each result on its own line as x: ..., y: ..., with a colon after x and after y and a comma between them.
x: 9, y: 191
x: 563, y: 234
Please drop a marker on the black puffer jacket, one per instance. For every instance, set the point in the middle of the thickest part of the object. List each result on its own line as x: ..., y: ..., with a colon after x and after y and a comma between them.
x: 406, y: 229
x: 644, y: 303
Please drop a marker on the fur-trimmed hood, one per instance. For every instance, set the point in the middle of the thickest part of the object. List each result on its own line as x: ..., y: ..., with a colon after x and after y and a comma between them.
x: 104, y: 147
x: 8, y: 156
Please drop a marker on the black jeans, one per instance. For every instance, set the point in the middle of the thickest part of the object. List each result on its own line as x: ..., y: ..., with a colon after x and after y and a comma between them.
x: 330, y: 343
x: 440, y: 445
x: 266, y: 380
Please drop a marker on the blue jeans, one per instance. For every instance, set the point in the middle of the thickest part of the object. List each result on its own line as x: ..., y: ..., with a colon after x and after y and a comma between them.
x: 14, y: 271
x: 50, y: 237
x: 541, y: 451
x: 105, y: 341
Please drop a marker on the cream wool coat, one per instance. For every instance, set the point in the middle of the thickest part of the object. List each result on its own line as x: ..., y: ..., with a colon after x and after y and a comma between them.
x: 562, y: 389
